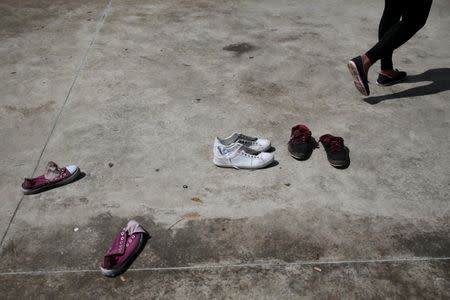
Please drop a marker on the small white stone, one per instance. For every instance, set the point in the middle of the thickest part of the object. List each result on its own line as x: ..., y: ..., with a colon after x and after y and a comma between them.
x: 75, y: 229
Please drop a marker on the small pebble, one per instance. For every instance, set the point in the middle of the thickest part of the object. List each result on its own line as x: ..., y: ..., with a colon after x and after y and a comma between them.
x: 185, y: 186
x: 318, y: 269
x: 123, y: 278
x: 110, y: 165
x: 13, y: 72
x: 198, y: 99
x: 75, y: 229
x: 156, y: 170
x: 287, y: 184
x: 250, y: 57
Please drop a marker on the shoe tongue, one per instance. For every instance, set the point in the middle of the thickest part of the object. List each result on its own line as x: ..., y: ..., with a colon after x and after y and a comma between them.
x: 301, y: 128
x: 247, y: 150
x: 232, y: 148
x: 52, y: 171
x: 134, y: 227
x: 334, y: 141
x: 236, y: 147
x: 299, y: 134
x: 246, y: 137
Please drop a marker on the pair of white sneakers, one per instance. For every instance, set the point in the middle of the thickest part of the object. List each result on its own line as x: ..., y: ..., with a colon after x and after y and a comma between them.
x: 242, y: 152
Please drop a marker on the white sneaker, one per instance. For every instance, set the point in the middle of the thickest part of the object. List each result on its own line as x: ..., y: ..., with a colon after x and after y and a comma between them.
x: 255, y: 144
x: 239, y: 156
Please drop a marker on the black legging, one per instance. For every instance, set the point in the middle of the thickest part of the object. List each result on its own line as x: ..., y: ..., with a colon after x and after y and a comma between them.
x: 392, y: 33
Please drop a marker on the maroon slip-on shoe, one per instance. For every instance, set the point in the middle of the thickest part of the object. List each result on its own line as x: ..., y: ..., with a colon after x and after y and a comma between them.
x: 125, y: 248
x: 53, y: 177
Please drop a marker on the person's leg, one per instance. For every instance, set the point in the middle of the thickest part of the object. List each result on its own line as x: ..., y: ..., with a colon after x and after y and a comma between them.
x: 391, y: 16
x: 414, y: 16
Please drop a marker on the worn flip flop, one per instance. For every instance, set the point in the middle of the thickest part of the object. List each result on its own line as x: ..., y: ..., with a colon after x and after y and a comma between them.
x: 385, y: 80
x: 127, y: 245
x: 355, y: 66
x: 53, y: 177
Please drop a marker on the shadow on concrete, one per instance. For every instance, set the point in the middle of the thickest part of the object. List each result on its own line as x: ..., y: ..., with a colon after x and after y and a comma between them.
x: 440, y: 82
x: 273, y: 164
x: 271, y: 149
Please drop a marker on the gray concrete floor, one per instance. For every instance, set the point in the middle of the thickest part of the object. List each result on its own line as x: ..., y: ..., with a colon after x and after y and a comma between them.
x: 146, y: 86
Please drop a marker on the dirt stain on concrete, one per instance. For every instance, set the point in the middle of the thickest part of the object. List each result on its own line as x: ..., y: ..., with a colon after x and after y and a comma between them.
x: 298, y: 36
x: 372, y: 281
x: 191, y: 216
x: 261, y: 89
x: 35, y: 15
x: 284, y: 236
x: 196, y: 199
x: 28, y: 111
x: 240, y: 48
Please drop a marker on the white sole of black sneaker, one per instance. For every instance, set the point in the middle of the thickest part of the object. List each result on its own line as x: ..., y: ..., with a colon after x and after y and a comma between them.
x: 357, y: 78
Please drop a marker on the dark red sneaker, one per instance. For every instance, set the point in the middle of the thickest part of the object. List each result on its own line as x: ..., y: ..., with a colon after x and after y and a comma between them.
x: 337, y: 152
x: 125, y: 248
x: 53, y: 177
x: 301, y: 144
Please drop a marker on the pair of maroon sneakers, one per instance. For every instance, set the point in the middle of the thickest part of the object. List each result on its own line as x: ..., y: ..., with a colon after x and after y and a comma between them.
x: 127, y: 244
x: 302, y: 144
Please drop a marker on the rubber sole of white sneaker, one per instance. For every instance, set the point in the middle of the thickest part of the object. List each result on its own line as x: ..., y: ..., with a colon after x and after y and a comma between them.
x: 245, y: 168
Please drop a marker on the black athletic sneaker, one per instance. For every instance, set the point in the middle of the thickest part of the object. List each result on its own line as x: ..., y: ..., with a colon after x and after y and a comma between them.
x: 356, y: 68
x: 384, y: 80
x: 301, y: 144
x: 337, y: 153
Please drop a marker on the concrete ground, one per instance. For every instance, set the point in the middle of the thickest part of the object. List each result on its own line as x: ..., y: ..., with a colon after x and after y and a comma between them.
x: 134, y: 93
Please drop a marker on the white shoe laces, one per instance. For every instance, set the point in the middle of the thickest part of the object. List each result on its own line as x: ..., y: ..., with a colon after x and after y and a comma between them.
x: 247, y: 142
x: 227, y: 155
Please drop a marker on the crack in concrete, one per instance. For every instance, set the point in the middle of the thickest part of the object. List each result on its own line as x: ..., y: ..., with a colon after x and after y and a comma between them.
x: 248, y: 265
x: 58, y: 115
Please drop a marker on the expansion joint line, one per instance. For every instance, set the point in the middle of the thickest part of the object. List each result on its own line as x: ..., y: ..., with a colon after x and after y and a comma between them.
x: 261, y: 265
x: 100, y: 23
